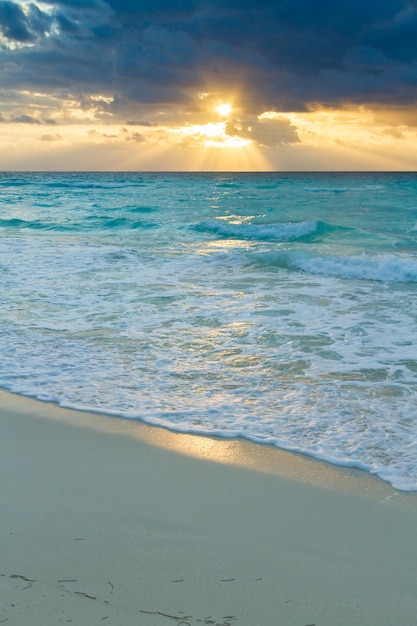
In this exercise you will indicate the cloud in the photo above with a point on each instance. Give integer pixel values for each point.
(264, 132)
(28, 119)
(276, 55)
(136, 137)
(25, 119)
(49, 138)
(140, 123)
(365, 59)
(14, 23)
(23, 23)
(73, 3)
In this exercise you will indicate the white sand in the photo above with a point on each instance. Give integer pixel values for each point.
(107, 522)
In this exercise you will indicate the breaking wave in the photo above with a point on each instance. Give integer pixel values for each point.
(288, 231)
(384, 268)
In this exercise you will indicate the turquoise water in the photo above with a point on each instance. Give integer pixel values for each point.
(277, 307)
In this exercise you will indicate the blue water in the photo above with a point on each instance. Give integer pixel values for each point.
(277, 307)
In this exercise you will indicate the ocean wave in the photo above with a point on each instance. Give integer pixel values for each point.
(92, 222)
(70, 182)
(344, 189)
(287, 231)
(264, 324)
(17, 223)
(384, 268)
(117, 223)
(77, 185)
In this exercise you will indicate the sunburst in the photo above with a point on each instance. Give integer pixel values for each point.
(224, 109)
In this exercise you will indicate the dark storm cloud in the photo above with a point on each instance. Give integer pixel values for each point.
(277, 55)
(13, 22)
(72, 3)
(22, 26)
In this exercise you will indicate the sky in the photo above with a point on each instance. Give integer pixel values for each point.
(218, 85)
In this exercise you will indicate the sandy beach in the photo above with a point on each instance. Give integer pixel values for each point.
(105, 521)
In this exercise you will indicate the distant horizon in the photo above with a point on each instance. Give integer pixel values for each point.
(257, 172)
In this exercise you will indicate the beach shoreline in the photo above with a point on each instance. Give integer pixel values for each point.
(107, 520)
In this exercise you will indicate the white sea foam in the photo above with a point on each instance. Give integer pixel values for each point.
(389, 267)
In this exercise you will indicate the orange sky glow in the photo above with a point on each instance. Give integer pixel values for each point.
(213, 140)
(117, 85)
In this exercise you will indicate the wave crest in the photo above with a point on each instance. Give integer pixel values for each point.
(384, 268)
(287, 231)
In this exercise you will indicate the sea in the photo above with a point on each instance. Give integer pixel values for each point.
(277, 307)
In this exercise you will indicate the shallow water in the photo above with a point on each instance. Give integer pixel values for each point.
(277, 307)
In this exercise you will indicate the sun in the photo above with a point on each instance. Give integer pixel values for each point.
(224, 109)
